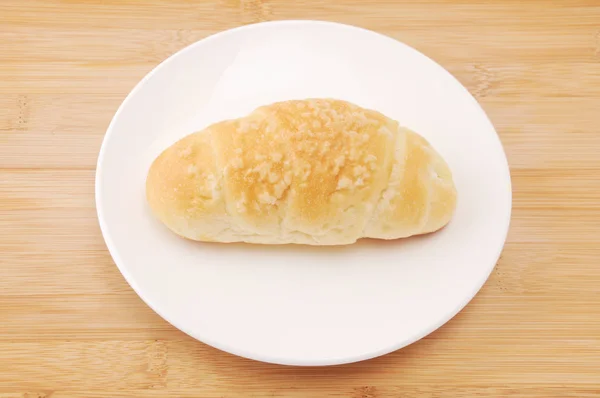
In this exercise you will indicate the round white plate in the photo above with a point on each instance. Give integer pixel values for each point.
(295, 304)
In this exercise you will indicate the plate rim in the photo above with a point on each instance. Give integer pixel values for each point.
(111, 246)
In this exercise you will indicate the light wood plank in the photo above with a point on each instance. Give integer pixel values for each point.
(373, 391)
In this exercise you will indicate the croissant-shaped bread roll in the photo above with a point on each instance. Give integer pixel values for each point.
(316, 172)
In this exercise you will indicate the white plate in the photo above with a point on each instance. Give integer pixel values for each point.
(303, 305)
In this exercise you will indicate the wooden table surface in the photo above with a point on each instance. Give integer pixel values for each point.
(70, 326)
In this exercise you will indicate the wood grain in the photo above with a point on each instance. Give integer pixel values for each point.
(71, 327)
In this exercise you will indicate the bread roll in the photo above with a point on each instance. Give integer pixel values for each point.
(315, 172)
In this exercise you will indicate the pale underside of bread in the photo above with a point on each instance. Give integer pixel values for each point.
(317, 172)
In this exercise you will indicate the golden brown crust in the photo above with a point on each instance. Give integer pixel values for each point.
(316, 171)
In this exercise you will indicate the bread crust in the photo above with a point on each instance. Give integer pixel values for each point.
(315, 171)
